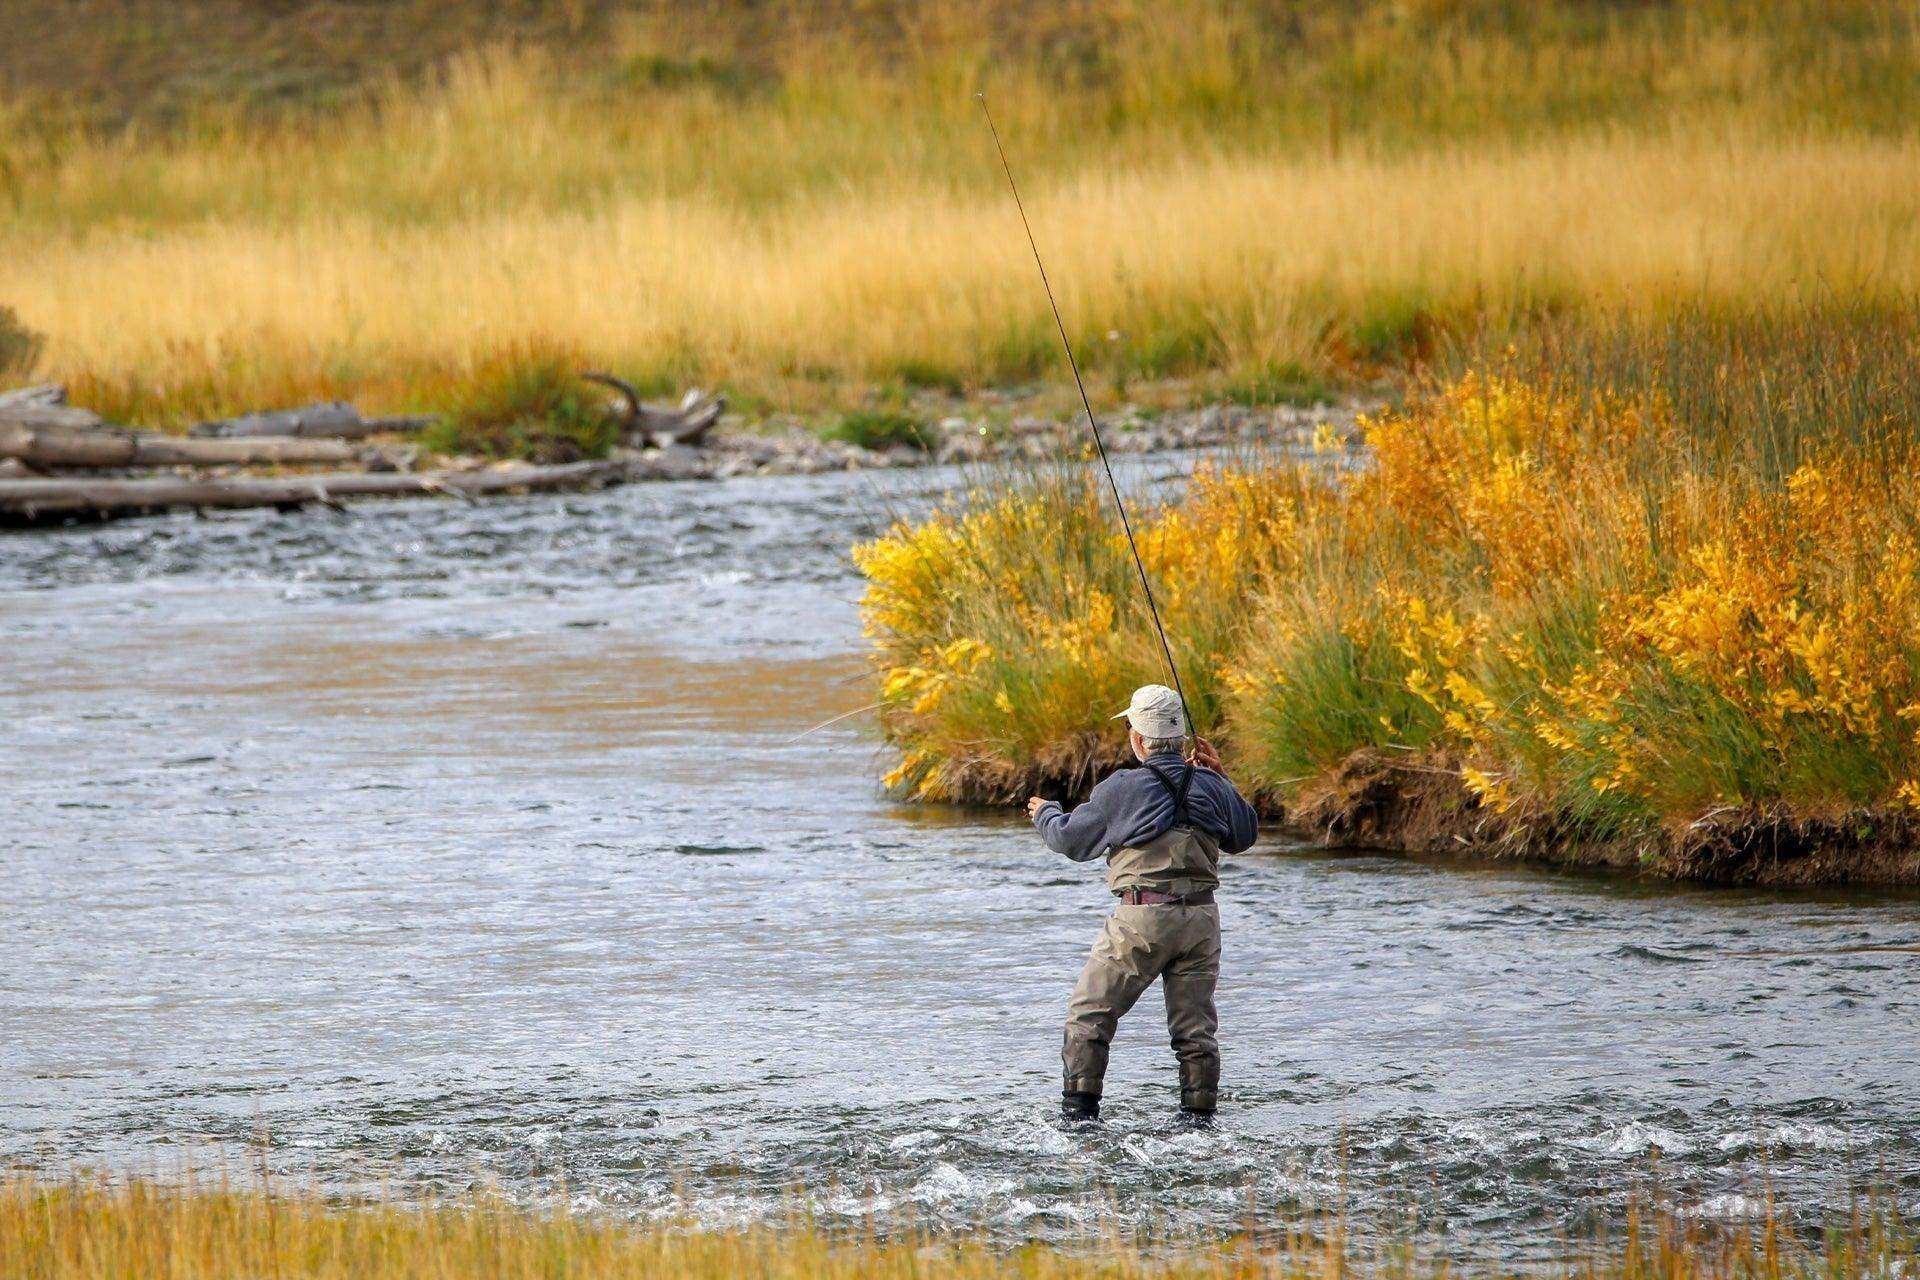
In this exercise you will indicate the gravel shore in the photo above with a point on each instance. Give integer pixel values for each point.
(737, 449)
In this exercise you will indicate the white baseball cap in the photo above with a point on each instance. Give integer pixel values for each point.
(1155, 712)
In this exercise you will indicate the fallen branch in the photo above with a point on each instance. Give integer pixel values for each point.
(336, 421)
(42, 415)
(43, 446)
(46, 406)
(29, 501)
(696, 415)
(47, 395)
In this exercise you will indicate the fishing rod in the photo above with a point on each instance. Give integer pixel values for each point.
(1073, 363)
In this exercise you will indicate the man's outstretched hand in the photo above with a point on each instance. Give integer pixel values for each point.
(1204, 754)
(1033, 807)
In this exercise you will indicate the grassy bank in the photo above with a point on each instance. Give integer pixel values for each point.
(142, 1231)
(798, 200)
(1648, 595)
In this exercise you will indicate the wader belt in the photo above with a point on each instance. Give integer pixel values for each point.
(1149, 898)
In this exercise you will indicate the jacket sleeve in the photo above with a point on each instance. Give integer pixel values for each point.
(1243, 824)
(1080, 835)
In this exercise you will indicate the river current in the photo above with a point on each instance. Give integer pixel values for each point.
(435, 846)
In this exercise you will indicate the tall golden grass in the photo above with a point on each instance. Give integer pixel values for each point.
(813, 209)
(1227, 263)
(139, 1230)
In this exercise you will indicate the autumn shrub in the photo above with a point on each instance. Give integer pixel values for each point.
(1608, 606)
(1010, 628)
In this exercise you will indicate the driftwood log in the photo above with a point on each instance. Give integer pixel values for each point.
(33, 500)
(41, 447)
(46, 407)
(47, 395)
(335, 421)
(687, 424)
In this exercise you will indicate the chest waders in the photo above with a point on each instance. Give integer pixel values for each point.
(1182, 860)
(1176, 942)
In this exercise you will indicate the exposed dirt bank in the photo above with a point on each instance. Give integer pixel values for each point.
(1422, 806)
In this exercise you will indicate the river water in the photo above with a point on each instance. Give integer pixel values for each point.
(438, 846)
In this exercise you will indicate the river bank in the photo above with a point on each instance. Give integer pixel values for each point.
(1425, 806)
(59, 463)
(797, 447)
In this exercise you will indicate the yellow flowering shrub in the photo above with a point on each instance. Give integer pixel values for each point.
(1006, 632)
(1561, 599)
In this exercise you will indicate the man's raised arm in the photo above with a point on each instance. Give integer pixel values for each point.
(1080, 835)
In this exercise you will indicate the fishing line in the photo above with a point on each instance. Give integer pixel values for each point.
(871, 706)
(1100, 444)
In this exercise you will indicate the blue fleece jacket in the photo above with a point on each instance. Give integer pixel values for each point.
(1132, 807)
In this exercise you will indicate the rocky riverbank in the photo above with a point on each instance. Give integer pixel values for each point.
(59, 463)
(791, 447)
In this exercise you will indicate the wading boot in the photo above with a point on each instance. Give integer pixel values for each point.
(1079, 1106)
(1196, 1108)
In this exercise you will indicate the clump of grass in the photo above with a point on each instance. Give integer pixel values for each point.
(1607, 606)
(701, 72)
(19, 346)
(879, 429)
(528, 405)
(1397, 330)
(929, 375)
(95, 1230)
(1286, 382)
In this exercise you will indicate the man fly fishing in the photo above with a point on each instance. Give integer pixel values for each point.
(1162, 828)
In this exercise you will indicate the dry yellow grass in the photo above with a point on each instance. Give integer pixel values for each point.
(137, 1230)
(1245, 259)
(143, 1231)
(801, 202)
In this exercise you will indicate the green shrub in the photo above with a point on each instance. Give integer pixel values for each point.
(1020, 351)
(661, 71)
(1272, 384)
(872, 429)
(1395, 331)
(19, 345)
(1179, 344)
(928, 375)
(526, 405)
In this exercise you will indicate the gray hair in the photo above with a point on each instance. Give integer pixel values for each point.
(1155, 746)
